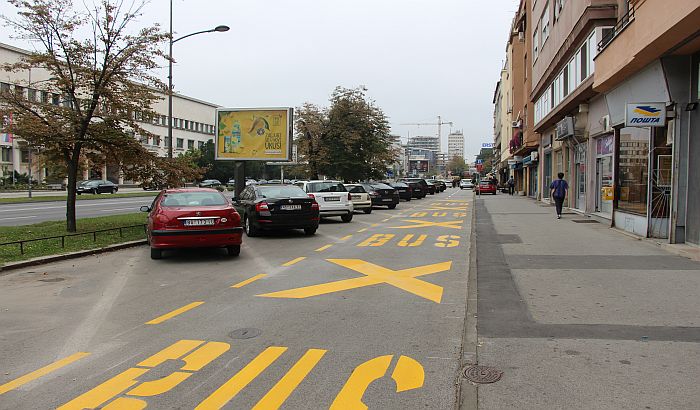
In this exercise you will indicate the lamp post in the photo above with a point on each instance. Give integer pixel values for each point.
(170, 73)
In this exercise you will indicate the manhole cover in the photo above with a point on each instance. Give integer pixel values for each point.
(482, 374)
(245, 333)
(585, 221)
(51, 280)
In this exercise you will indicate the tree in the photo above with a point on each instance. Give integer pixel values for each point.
(102, 67)
(349, 140)
(457, 165)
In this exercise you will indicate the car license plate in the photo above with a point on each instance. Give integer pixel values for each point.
(198, 222)
(356, 197)
(387, 199)
(332, 199)
(290, 207)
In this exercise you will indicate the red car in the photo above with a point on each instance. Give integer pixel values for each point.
(486, 187)
(192, 218)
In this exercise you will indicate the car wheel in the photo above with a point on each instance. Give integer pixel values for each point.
(392, 206)
(408, 199)
(233, 250)
(250, 229)
(94, 191)
(368, 210)
(347, 217)
(310, 231)
(77, 193)
(156, 253)
(114, 190)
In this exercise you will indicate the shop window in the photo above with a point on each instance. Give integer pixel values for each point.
(633, 170)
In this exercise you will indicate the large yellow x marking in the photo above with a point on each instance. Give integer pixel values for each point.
(424, 224)
(374, 274)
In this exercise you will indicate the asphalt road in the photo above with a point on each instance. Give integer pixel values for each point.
(371, 311)
(29, 213)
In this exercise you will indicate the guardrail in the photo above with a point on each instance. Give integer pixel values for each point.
(120, 229)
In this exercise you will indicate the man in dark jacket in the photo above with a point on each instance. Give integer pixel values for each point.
(558, 190)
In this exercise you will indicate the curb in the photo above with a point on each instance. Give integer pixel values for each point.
(73, 255)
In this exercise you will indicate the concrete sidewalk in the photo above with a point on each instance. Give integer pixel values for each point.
(578, 315)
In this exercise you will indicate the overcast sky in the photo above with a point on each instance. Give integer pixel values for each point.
(417, 58)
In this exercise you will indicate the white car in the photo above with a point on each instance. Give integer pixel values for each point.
(466, 184)
(332, 197)
(360, 198)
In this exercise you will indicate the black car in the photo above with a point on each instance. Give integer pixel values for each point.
(96, 186)
(434, 186)
(405, 191)
(382, 194)
(428, 188)
(417, 190)
(440, 184)
(278, 206)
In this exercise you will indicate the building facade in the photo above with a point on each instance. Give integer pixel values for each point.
(455, 145)
(425, 142)
(193, 125)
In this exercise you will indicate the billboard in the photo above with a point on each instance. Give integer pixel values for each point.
(257, 134)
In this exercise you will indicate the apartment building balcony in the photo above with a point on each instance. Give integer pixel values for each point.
(651, 29)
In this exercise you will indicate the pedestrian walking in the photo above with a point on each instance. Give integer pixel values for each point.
(558, 190)
(511, 185)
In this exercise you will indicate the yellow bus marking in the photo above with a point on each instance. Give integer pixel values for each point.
(424, 224)
(293, 261)
(248, 281)
(161, 319)
(345, 238)
(362, 230)
(378, 239)
(240, 380)
(11, 385)
(290, 381)
(323, 248)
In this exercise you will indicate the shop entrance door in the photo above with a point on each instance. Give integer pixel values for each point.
(604, 177)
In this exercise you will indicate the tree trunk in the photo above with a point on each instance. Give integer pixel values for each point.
(73, 166)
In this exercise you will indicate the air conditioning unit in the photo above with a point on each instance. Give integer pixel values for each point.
(605, 119)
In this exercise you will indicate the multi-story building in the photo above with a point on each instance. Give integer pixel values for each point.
(193, 124)
(651, 55)
(425, 142)
(455, 145)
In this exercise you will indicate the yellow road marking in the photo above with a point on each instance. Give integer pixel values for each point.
(323, 248)
(374, 225)
(384, 220)
(249, 280)
(280, 391)
(447, 208)
(424, 224)
(105, 391)
(240, 380)
(362, 230)
(293, 261)
(447, 241)
(379, 239)
(161, 319)
(374, 274)
(406, 240)
(345, 238)
(11, 385)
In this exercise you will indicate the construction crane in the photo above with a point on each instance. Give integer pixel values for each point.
(439, 124)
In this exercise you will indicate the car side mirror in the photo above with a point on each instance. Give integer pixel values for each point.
(145, 208)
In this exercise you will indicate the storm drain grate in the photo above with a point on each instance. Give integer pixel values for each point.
(584, 221)
(245, 333)
(482, 374)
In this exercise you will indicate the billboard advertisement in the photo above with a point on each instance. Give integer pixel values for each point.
(256, 134)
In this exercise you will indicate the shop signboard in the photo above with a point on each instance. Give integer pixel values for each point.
(645, 115)
(487, 145)
(256, 134)
(608, 193)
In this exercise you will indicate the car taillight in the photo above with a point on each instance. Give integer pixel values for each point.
(314, 205)
(262, 206)
(312, 196)
(349, 197)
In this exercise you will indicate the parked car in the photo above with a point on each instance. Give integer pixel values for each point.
(382, 194)
(440, 184)
(405, 191)
(417, 190)
(153, 185)
(466, 184)
(360, 198)
(428, 189)
(210, 183)
(432, 187)
(96, 186)
(486, 187)
(192, 218)
(276, 206)
(332, 197)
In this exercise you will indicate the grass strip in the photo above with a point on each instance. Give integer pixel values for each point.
(84, 197)
(11, 253)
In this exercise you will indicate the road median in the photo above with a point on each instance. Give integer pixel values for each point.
(85, 197)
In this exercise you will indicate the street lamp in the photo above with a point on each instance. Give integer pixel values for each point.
(219, 29)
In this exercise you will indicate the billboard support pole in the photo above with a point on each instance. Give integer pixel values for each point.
(239, 176)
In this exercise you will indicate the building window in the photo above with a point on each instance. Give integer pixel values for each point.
(190, 144)
(180, 143)
(24, 156)
(6, 154)
(200, 145)
(544, 23)
(4, 87)
(535, 44)
(633, 170)
(156, 140)
(19, 90)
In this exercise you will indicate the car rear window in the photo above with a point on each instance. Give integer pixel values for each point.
(326, 187)
(399, 185)
(281, 191)
(381, 186)
(193, 199)
(355, 189)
